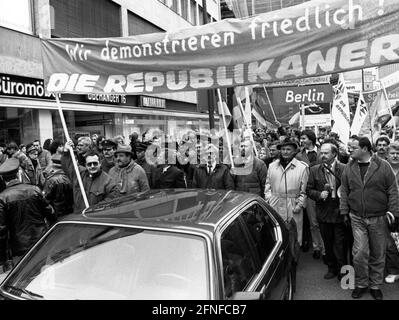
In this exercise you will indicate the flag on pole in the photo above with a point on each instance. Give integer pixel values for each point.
(379, 112)
(360, 115)
(226, 110)
(340, 112)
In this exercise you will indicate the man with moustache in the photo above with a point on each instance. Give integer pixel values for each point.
(98, 185)
(108, 150)
(382, 145)
(323, 185)
(129, 176)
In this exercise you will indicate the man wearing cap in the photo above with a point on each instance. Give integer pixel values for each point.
(26, 171)
(98, 185)
(286, 181)
(24, 214)
(108, 149)
(141, 148)
(129, 176)
(57, 189)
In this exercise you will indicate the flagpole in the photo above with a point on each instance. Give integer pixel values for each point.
(390, 110)
(225, 128)
(268, 99)
(247, 125)
(75, 165)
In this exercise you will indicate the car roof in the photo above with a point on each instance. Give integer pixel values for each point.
(167, 208)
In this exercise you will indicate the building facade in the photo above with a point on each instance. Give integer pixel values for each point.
(28, 113)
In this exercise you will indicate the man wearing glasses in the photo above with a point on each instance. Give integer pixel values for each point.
(98, 185)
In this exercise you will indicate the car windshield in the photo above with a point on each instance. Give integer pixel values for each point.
(92, 262)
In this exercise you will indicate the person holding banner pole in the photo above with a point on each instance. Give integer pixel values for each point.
(75, 165)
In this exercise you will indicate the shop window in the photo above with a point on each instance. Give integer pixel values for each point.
(86, 18)
(16, 15)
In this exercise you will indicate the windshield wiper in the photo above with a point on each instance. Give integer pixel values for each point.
(30, 294)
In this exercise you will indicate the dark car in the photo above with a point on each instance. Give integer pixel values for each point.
(168, 244)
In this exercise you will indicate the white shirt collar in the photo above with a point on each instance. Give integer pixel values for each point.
(314, 149)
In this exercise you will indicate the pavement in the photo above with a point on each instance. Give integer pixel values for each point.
(312, 286)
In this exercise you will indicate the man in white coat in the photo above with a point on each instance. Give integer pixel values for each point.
(285, 188)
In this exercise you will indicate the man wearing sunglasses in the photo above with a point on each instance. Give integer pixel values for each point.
(98, 185)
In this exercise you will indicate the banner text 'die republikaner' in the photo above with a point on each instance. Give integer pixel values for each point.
(311, 39)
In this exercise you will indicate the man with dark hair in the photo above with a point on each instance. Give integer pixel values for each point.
(129, 176)
(381, 145)
(56, 147)
(274, 153)
(24, 214)
(44, 156)
(141, 148)
(167, 174)
(98, 185)
(323, 185)
(311, 155)
(369, 191)
(3, 154)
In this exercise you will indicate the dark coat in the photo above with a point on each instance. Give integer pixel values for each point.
(149, 170)
(171, 178)
(23, 211)
(220, 178)
(58, 190)
(254, 181)
(326, 210)
(99, 187)
(373, 197)
(303, 156)
(105, 166)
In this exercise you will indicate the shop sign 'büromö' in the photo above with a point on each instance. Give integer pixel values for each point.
(307, 40)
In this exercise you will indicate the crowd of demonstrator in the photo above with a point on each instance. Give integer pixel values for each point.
(343, 199)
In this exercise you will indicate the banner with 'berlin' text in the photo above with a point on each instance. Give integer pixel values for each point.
(311, 39)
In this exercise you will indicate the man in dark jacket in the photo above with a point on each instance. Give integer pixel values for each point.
(44, 156)
(212, 175)
(250, 175)
(167, 175)
(369, 191)
(323, 185)
(311, 155)
(23, 214)
(57, 188)
(141, 148)
(97, 184)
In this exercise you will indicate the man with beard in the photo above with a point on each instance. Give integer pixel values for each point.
(323, 185)
(44, 156)
(98, 185)
(250, 175)
(368, 191)
(129, 176)
(286, 181)
(392, 254)
(382, 145)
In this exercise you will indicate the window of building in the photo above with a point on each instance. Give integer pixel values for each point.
(138, 25)
(16, 15)
(86, 18)
(184, 9)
